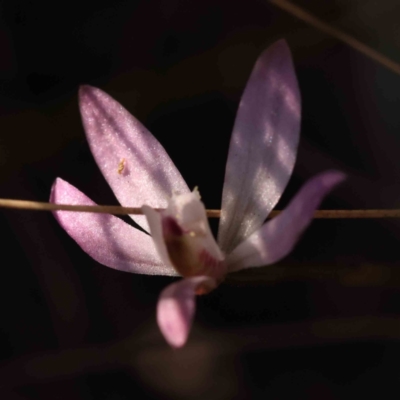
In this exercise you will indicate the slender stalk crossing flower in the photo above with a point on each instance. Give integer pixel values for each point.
(260, 162)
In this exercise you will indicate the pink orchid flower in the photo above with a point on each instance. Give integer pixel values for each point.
(261, 157)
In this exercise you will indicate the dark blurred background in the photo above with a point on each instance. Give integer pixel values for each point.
(322, 323)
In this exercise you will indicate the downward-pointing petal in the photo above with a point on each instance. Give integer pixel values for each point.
(276, 238)
(176, 307)
(263, 146)
(106, 238)
(131, 159)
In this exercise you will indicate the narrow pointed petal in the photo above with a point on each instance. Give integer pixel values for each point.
(134, 163)
(263, 146)
(176, 308)
(106, 238)
(276, 238)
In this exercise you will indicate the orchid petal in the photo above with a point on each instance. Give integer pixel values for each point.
(276, 238)
(263, 146)
(176, 308)
(106, 238)
(134, 163)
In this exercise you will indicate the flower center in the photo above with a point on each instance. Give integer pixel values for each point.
(188, 252)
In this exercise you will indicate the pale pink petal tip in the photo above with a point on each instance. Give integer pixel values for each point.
(106, 238)
(263, 146)
(176, 308)
(276, 238)
(134, 163)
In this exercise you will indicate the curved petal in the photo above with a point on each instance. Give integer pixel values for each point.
(134, 163)
(106, 238)
(176, 308)
(276, 238)
(263, 146)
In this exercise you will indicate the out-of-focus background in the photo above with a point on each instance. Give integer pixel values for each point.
(322, 323)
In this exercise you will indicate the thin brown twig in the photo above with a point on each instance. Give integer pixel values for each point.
(336, 33)
(118, 210)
